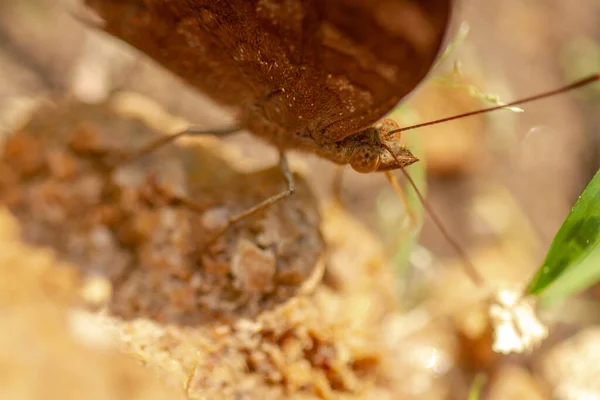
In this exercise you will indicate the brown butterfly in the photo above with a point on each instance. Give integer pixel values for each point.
(308, 75)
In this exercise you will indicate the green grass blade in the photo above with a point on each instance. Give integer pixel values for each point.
(477, 387)
(573, 261)
(577, 278)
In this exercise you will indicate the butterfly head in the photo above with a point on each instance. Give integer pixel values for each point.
(373, 149)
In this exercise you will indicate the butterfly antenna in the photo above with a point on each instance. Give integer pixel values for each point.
(575, 85)
(470, 269)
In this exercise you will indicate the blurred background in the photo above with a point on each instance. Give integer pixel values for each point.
(502, 183)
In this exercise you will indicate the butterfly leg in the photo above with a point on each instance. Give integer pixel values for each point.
(291, 184)
(283, 163)
(163, 141)
(337, 184)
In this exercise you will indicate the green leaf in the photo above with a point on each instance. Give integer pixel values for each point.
(573, 261)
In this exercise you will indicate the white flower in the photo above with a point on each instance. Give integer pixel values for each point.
(516, 326)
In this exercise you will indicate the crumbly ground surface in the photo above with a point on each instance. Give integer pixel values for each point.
(65, 176)
(247, 316)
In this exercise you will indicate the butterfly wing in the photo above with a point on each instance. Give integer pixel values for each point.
(326, 67)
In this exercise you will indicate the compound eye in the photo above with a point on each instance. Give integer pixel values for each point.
(364, 160)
